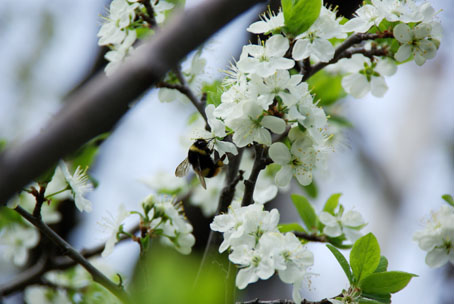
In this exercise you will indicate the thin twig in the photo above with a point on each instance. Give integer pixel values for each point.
(150, 11)
(310, 237)
(75, 255)
(341, 51)
(198, 104)
(260, 162)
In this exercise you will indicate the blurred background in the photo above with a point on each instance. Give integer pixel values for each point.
(392, 166)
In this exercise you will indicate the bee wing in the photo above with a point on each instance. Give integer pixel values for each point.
(201, 179)
(182, 168)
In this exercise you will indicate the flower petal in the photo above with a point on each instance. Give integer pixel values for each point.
(279, 153)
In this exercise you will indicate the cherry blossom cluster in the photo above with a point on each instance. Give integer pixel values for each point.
(161, 217)
(342, 223)
(437, 237)
(120, 29)
(259, 249)
(20, 236)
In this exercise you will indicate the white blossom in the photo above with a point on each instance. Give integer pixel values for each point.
(366, 16)
(208, 199)
(365, 76)
(269, 22)
(291, 258)
(254, 126)
(437, 237)
(45, 295)
(347, 223)
(266, 60)
(280, 84)
(121, 13)
(167, 215)
(392, 10)
(160, 10)
(112, 226)
(244, 225)
(314, 42)
(79, 186)
(118, 53)
(165, 182)
(307, 113)
(254, 262)
(298, 161)
(414, 43)
(265, 189)
(16, 240)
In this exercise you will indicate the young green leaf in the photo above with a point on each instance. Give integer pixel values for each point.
(331, 203)
(311, 189)
(213, 92)
(383, 283)
(8, 216)
(370, 301)
(448, 198)
(306, 211)
(342, 261)
(382, 265)
(326, 87)
(365, 256)
(382, 299)
(291, 227)
(299, 15)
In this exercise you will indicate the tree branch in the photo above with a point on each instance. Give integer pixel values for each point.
(185, 90)
(341, 51)
(96, 107)
(310, 237)
(227, 193)
(260, 162)
(75, 255)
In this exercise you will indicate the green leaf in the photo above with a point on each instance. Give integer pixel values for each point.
(311, 189)
(326, 87)
(143, 32)
(372, 301)
(331, 203)
(365, 256)
(213, 91)
(8, 216)
(382, 265)
(383, 283)
(306, 211)
(2, 144)
(85, 156)
(385, 299)
(176, 2)
(342, 261)
(289, 227)
(47, 175)
(448, 198)
(193, 118)
(299, 15)
(163, 271)
(340, 120)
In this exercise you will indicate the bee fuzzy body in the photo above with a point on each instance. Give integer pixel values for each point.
(199, 156)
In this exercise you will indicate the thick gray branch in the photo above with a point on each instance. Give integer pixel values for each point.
(98, 105)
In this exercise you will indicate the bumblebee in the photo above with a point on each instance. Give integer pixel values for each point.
(199, 156)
